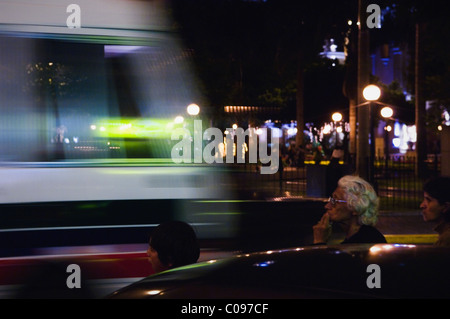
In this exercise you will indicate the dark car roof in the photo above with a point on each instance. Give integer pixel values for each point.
(404, 271)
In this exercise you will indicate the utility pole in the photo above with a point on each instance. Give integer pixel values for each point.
(350, 86)
(362, 145)
(421, 146)
(300, 99)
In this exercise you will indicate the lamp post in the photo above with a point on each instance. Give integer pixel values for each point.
(386, 112)
(193, 110)
(371, 93)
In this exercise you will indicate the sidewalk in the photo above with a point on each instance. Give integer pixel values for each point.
(406, 228)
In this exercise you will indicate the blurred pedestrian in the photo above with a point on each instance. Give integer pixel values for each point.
(337, 155)
(172, 244)
(354, 207)
(436, 207)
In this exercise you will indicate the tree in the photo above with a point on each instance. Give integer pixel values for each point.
(250, 52)
(421, 24)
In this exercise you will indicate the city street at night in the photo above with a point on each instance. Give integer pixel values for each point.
(228, 156)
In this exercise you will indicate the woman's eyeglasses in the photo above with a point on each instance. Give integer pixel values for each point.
(333, 201)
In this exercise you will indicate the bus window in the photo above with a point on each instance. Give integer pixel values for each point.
(75, 100)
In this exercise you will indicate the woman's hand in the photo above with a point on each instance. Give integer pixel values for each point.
(322, 230)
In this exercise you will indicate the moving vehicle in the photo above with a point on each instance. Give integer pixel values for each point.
(89, 97)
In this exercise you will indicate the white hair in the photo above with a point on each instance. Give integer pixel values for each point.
(361, 198)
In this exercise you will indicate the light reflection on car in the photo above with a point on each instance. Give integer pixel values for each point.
(406, 271)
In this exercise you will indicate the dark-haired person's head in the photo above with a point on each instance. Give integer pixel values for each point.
(173, 244)
(436, 203)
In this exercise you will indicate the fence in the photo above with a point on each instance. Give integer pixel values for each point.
(396, 181)
(286, 182)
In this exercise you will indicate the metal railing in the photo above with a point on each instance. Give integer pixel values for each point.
(396, 181)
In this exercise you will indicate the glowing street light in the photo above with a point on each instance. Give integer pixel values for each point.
(179, 119)
(371, 92)
(386, 112)
(336, 117)
(193, 109)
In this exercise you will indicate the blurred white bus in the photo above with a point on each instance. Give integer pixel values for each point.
(86, 115)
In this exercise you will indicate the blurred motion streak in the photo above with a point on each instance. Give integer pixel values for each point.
(86, 116)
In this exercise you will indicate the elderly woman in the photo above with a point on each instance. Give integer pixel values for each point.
(354, 206)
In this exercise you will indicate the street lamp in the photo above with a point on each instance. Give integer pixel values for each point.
(371, 93)
(336, 117)
(193, 109)
(178, 119)
(386, 112)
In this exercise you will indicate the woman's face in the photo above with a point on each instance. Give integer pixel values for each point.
(338, 212)
(154, 260)
(431, 209)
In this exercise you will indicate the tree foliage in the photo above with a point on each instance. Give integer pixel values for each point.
(250, 52)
